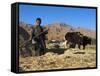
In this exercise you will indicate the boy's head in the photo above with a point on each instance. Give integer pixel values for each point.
(38, 21)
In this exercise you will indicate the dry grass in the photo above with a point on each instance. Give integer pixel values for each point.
(71, 58)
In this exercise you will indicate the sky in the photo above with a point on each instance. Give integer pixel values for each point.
(77, 17)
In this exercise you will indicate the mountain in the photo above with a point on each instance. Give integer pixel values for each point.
(87, 32)
(57, 31)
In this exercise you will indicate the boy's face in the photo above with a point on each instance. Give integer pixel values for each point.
(38, 22)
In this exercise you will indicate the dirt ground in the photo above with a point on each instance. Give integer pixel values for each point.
(60, 58)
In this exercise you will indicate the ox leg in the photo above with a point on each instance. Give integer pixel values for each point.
(84, 47)
(74, 45)
(79, 46)
(68, 44)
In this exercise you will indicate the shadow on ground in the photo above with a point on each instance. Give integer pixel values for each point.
(56, 50)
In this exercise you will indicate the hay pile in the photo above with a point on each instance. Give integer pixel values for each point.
(49, 61)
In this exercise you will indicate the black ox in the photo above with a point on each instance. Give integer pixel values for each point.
(74, 38)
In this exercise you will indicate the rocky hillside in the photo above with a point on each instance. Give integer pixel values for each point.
(57, 31)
